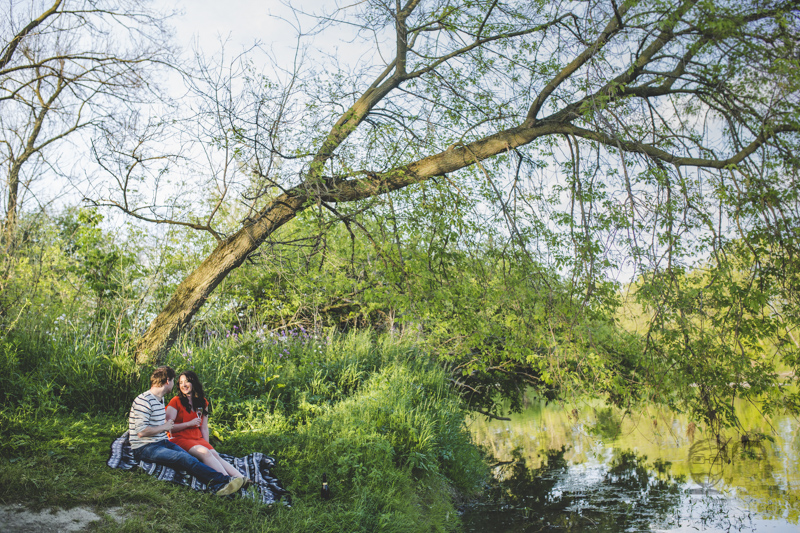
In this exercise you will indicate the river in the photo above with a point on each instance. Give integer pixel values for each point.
(586, 467)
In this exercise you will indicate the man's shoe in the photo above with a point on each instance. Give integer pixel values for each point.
(232, 486)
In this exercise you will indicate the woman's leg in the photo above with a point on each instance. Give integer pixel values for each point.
(208, 458)
(229, 468)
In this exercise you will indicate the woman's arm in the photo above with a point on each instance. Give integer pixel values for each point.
(204, 428)
(172, 414)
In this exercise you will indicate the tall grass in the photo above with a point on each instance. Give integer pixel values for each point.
(374, 413)
(72, 372)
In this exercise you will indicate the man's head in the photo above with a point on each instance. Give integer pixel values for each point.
(161, 376)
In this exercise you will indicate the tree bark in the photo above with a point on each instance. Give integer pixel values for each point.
(9, 229)
(193, 291)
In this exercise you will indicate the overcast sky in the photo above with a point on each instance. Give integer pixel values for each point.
(242, 22)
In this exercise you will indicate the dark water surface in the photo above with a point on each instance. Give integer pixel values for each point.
(588, 468)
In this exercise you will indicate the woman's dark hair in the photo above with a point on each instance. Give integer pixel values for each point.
(198, 396)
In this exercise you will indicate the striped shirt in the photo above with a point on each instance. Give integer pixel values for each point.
(147, 410)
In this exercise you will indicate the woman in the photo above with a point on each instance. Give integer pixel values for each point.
(189, 412)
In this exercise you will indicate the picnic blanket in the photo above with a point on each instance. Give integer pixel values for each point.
(255, 466)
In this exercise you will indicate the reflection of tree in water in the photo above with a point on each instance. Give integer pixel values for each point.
(756, 471)
(625, 497)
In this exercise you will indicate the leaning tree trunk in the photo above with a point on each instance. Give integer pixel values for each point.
(193, 291)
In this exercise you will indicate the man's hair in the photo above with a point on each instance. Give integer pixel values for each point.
(161, 375)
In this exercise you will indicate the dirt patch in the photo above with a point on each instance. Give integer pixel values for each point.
(16, 518)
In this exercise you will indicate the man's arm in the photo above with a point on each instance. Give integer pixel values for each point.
(149, 431)
(140, 417)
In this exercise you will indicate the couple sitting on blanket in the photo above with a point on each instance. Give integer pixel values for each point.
(186, 418)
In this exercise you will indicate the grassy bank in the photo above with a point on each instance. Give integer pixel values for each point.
(374, 413)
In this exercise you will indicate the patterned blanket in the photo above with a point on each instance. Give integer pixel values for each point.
(255, 466)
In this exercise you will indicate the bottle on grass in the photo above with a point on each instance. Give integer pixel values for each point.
(326, 492)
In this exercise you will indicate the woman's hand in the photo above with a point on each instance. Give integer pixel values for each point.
(193, 423)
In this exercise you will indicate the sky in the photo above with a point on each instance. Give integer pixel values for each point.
(241, 22)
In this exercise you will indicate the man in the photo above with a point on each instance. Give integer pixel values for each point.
(147, 427)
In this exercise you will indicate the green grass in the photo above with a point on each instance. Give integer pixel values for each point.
(374, 413)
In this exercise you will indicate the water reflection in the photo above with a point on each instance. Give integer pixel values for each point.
(606, 472)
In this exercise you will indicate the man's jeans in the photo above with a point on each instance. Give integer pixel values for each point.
(169, 454)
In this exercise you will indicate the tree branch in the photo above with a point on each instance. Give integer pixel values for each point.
(11, 47)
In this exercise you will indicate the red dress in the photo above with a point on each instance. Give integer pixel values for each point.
(189, 437)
